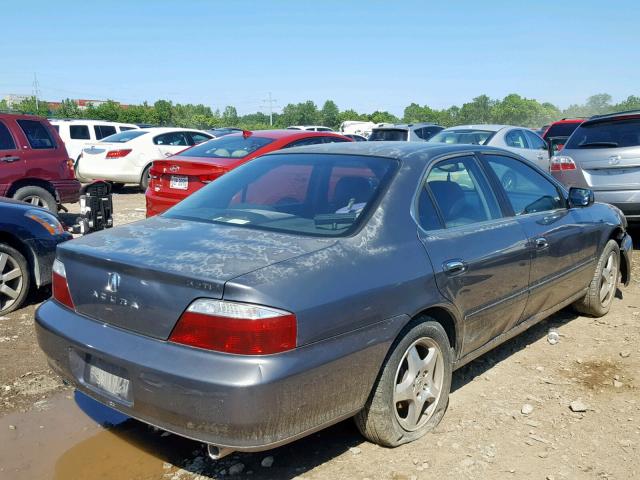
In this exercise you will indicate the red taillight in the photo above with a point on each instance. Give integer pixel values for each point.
(118, 153)
(236, 328)
(562, 163)
(61, 291)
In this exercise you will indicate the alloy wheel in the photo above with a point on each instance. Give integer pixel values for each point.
(608, 279)
(418, 384)
(11, 281)
(35, 200)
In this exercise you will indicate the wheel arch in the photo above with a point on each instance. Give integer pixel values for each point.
(33, 182)
(617, 234)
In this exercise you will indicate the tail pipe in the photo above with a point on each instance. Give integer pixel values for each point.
(216, 452)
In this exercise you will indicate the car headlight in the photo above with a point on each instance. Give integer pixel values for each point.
(50, 223)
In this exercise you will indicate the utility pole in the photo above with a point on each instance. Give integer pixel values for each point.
(36, 89)
(271, 102)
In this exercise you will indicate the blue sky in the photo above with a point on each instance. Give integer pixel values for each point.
(364, 55)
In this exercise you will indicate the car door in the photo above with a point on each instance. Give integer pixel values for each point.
(562, 241)
(480, 257)
(12, 165)
(539, 146)
(40, 150)
(171, 143)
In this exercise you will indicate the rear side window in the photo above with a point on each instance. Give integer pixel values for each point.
(515, 139)
(37, 135)
(606, 134)
(527, 190)
(173, 139)
(103, 131)
(561, 130)
(535, 142)
(6, 140)
(426, 212)
(229, 146)
(124, 129)
(198, 138)
(388, 135)
(461, 192)
(79, 132)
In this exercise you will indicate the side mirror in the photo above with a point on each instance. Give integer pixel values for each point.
(580, 197)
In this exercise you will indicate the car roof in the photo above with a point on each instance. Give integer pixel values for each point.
(410, 151)
(157, 130)
(613, 116)
(278, 134)
(25, 116)
(89, 122)
(398, 126)
(568, 120)
(490, 127)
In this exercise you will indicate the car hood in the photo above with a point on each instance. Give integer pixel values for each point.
(164, 264)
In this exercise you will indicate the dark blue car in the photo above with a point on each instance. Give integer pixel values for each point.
(319, 283)
(28, 239)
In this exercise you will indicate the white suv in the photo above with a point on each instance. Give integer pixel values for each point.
(76, 134)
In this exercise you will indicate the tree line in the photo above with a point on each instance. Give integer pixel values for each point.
(511, 110)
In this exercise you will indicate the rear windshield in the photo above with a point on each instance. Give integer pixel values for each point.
(462, 136)
(561, 130)
(607, 134)
(308, 194)
(388, 135)
(228, 146)
(123, 137)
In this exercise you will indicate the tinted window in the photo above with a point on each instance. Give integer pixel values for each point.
(198, 138)
(229, 146)
(79, 132)
(515, 139)
(527, 190)
(103, 131)
(124, 129)
(426, 212)
(420, 132)
(388, 135)
(561, 130)
(172, 139)
(6, 140)
(606, 134)
(305, 141)
(124, 137)
(461, 192)
(320, 195)
(535, 142)
(37, 135)
(462, 136)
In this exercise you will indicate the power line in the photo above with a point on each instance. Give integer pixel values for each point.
(271, 102)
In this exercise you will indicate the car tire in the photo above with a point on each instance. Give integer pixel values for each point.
(13, 289)
(36, 196)
(604, 284)
(411, 393)
(144, 180)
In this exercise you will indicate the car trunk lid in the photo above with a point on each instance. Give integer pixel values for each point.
(608, 168)
(142, 276)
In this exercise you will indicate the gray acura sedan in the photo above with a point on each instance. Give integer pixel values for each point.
(320, 283)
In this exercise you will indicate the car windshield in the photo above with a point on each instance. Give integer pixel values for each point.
(606, 134)
(123, 137)
(308, 194)
(388, 135)
(227, 146)
(462, 136)
(561, 130)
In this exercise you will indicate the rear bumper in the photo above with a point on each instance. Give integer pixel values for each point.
(243, 402)
(626, 200)
(68, 190)
(156, 204)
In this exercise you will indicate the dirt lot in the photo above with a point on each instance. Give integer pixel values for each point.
(47, 431)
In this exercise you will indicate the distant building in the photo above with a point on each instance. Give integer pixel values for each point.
(13, 99)
(82, 103)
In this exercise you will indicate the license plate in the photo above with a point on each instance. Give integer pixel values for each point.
(112, 384)
(180, 183)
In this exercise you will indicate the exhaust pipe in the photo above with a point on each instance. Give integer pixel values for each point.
(216, 452)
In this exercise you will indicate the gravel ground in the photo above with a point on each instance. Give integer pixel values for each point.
(511, 413)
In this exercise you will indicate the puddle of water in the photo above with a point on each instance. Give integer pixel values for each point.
(65, 438)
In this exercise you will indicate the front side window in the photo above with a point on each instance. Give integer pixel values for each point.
(461, 192)
(308, 194)
(37, 135)
(6, 140)
(79, 132)
(103, 131)
(515, 139)
(229, 146)
(172, 139)
(527, 190)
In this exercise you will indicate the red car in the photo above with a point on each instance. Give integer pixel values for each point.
(177, 177)
(34, 165)
(557, 133)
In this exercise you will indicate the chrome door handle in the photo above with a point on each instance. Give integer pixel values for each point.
(454, 267)
(9, 159)
(541, 243)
